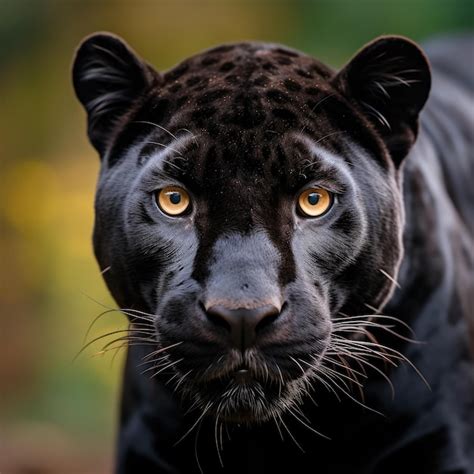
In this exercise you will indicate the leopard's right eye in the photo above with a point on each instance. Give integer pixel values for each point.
(314, 202)
(173, 200)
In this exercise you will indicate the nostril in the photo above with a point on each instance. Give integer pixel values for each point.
(216, 318)
(267, 320)
(202, 307)
(270, 316)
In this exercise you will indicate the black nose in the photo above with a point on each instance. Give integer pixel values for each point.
(242, 324)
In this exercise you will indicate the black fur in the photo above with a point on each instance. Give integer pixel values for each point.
(245, 128)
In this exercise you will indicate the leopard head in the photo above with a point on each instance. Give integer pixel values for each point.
(248, 198)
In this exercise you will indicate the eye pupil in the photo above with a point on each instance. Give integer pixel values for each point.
(175, 198)
(313, 198)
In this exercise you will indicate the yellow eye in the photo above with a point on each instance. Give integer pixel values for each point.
(314, 202)
(173, 200)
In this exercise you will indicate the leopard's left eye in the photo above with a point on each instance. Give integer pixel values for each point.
(314, 202)
(173, 200)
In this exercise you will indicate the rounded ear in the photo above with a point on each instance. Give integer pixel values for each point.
(389, 80)
(108, 78)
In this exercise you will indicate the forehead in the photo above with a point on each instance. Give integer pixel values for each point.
(246, 87)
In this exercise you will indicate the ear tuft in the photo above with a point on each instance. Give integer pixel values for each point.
(108, 78)
(389, 80)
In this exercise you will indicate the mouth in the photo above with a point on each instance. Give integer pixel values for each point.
(243, 376)
(242, 398)
(244, 395)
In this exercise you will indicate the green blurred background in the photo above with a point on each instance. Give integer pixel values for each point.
(58, 415)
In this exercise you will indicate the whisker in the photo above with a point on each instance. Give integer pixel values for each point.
(167, 367)
(171, 378)
(355, 399)
(371, 347)
(339, 327)
(291, 435)
(390, 277)
(349, 370)
(313, 109)
(364, 361)
(196, 448)
(105, 270)
(158, 363)
(216, 439)
(291, 412)
(297, 363)
(129, 339)
(333, 376)
(206, 409)
(117, 350)
(344, 366)
(158, 351)
(124, 345)
(181, 380)
(166, 146)
(98, 339)
(117, 309)
(375, 316)
(338, 374)
(278, 426)
(157, 126)
(328, 387)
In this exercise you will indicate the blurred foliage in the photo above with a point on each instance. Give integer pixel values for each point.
(50, 286)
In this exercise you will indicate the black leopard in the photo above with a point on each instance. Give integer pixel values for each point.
(293, 247)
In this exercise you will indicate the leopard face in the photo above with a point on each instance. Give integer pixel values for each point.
(248, 198)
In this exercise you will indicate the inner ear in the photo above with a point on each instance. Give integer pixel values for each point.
(109, 79)
(389, 81)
